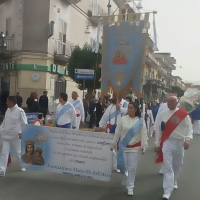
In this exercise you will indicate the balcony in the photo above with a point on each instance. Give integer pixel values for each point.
(9, 43)
(175, 84)
(72, 1)
(10, 47)
(97, 11)
(63, 51)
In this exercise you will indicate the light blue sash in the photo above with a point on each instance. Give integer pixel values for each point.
(114, 114)
(76, 102)
(63, 110)
(122, 144)
(125, 105)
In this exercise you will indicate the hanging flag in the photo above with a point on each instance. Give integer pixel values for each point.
(96, 46)
(155, 47)
(124, 47)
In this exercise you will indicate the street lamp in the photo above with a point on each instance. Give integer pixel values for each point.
(3, 47)
(109, 7)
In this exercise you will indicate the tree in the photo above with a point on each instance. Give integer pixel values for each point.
(84, 58)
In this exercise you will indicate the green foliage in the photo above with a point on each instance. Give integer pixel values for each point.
(84, 58)
(179, 91)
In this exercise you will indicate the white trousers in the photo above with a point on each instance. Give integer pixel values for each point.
(114, 158)
(130, 161)
(196, 127)
(78, 121)
(173, 153)
(15, 146)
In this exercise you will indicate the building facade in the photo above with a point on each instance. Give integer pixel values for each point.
(40, 37)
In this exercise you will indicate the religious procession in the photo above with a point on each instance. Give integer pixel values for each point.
(111, 120)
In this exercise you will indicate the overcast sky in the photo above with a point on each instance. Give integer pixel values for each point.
(178, 30)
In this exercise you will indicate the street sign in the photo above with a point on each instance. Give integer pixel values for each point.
(84, 74)
(84, 77)
(84, 71)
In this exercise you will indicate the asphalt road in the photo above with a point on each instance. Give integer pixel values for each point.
(35, 185)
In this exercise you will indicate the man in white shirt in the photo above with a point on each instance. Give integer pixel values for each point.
(162, 107)
(65, 116)
(78, 105)
(173, 134)
(10, 130)
(112, 115)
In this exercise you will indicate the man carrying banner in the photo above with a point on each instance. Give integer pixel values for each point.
(10, 132)
(78, 105)
(133, 137)
(173, 134)
(110, 118)
(65, 116)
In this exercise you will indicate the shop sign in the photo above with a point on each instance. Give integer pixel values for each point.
(55, 68)
(8, 66)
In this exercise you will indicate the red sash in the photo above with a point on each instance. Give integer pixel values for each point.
(9, 160)
(170, 126)
(138, 144)
(109, 126)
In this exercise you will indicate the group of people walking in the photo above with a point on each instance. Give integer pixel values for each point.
(172, 128)
(173, 131)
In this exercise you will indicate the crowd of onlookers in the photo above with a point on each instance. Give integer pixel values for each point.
(34, 104)
(97, 107)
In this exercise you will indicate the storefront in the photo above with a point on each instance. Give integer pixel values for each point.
(27, 78)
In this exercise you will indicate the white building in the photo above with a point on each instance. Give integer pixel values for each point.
(40, 36)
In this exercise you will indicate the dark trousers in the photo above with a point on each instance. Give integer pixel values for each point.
(86, 114)
(99, 116)
(44, 112)
(64, 126)
(92, 120)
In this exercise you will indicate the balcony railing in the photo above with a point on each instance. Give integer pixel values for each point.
(10, 44)
(64, 49)
(97, 10)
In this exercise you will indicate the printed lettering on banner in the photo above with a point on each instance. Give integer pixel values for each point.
(67, 151)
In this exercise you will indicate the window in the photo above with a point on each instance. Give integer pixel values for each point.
(60, 86)
(62, 36)
(8, 26)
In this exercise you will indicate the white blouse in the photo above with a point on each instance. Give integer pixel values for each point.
(123, 126)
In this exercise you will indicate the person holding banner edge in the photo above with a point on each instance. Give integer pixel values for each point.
(173, 135)
(109, 119)
(65, 116)
(131, 133)
(10, 132)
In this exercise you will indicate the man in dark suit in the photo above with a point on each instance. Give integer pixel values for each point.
(92, 112)
(99, 111)
(19, 99)
(44, 103)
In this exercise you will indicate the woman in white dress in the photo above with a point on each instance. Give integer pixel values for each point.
(132, 132)
(149, 120)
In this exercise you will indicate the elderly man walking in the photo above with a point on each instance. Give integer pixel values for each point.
(15, 117)
(78, 105)
(173, 134)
